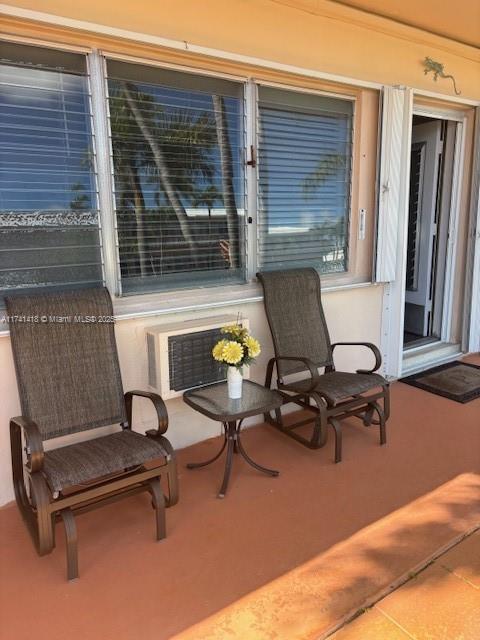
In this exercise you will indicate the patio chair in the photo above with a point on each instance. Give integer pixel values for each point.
(302, 345)
(69, 381)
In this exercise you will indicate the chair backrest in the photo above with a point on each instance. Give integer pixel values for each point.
(294, 311)
(66, 360)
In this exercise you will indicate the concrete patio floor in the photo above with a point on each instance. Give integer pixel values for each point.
(288, 557)
(441, 602)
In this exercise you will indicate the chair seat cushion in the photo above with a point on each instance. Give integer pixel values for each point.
(337, 386)
(85, 461)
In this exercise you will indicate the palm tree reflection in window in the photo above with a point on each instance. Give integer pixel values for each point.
(166, 169)
(332, 229)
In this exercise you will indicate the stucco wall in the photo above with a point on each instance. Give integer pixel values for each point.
(351, 315)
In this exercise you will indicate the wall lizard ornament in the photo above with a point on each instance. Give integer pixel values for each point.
(437, 68)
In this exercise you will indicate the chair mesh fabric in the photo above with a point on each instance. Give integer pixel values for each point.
(67, 369)
(337, 386)
(295, 314)
(86, 461)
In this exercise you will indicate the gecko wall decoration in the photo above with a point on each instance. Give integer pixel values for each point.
(437, 68)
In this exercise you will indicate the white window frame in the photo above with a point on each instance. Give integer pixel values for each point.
(220, 295)
(102, 121)
(109, 240)
(86, 52)
(338, 277)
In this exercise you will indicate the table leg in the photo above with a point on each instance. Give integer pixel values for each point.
(270, 472)
(237, 430)
(231, 439)
(196, 465)
(232, 442)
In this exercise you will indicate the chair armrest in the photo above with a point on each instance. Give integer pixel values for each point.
(369, 345)
(158, 403)
(33, 441)
(310, 366)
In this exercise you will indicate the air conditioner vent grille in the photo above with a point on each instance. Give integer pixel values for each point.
(190, 360)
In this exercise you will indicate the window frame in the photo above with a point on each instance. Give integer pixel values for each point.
(135, 305)
(338, 277)
(84, 52)
(241, 278)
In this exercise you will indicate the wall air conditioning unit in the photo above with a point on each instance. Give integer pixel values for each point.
(180, 354)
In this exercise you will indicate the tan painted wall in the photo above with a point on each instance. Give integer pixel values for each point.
(351, 315)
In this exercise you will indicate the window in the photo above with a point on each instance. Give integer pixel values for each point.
(178, 157)
(173, 176)
(49, 229)
(304, 154)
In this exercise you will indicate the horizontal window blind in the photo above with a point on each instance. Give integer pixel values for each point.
(178, 157)
(49, 222)
(417, 166)
(304, 171)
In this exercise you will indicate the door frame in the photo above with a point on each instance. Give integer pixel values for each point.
(471, 327)
(455, 201)
(393, 312)
(427, 136)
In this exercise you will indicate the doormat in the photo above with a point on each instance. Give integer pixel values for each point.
(458, 381)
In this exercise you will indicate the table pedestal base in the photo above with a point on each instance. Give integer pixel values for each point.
(233, 443)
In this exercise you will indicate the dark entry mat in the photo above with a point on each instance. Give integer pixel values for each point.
(457, 381)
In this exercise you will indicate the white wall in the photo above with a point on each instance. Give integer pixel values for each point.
(353, 314)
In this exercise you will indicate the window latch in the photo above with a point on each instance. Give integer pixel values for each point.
(253, 157)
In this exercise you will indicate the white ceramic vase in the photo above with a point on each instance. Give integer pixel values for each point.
(234, 381)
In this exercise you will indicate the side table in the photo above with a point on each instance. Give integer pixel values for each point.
(213, 401)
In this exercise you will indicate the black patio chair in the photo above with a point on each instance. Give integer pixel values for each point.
(69, 381)
(302, 345)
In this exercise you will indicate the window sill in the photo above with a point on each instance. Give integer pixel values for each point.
(205, 298)
(156, 304)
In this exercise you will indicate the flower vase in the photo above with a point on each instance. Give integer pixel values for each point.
(234, 381)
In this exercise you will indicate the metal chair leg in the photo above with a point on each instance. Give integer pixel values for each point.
(381, 423)
(71, 543)
(172, 474)
(37, 517)
(385, 414)
(44, 536)
(383, 432)
(386, 401)
(278, 417)
(320, 425)
(159, 504)
(338, 439)
(172, 478)
(368, 416)
(382, 426)
(268, 385)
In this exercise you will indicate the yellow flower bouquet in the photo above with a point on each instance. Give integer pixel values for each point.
(237, 348)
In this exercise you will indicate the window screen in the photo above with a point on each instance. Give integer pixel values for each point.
(304, 153)
(49, 229)
(178, 155)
